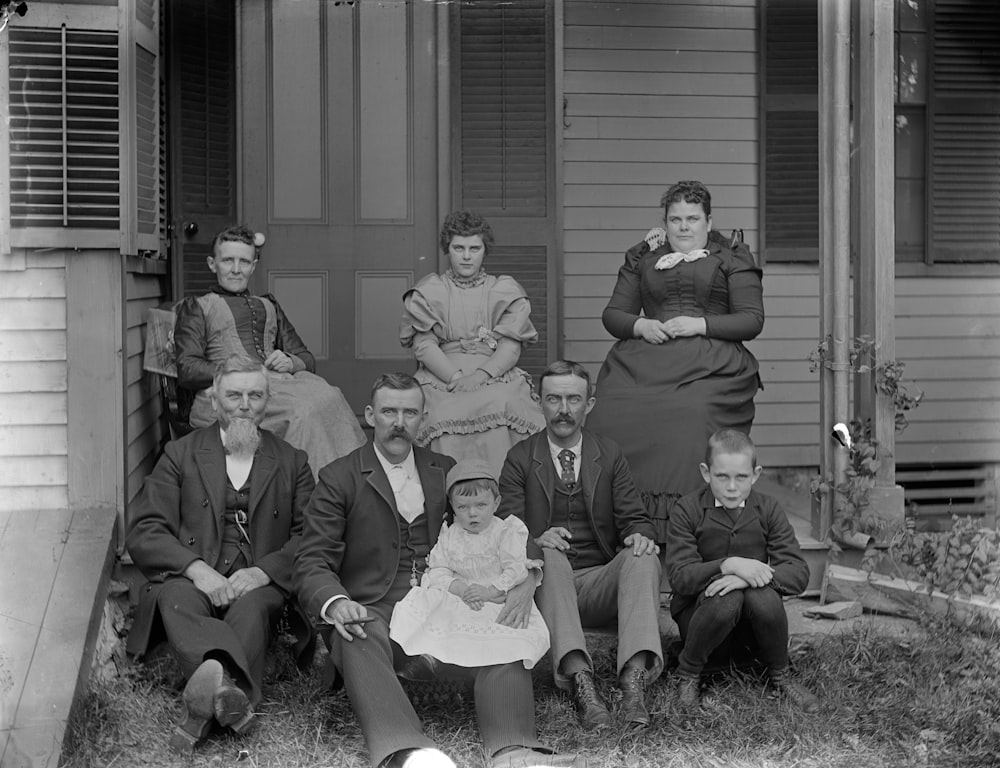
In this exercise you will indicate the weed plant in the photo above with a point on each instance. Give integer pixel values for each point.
(925, 697)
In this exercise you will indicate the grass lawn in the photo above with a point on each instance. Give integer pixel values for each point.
(929, 697)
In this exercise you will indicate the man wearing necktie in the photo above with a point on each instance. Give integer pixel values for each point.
(574, 491)
(369, 527)
(215, 531)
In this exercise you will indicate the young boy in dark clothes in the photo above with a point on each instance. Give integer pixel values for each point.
(731, 556)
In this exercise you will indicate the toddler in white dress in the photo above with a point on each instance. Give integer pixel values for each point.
(452, 614)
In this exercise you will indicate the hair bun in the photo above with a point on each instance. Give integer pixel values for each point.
(259, 239)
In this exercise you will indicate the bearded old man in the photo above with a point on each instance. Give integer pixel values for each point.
(215, 531)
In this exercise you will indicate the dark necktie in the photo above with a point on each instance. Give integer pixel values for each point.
(566, 458)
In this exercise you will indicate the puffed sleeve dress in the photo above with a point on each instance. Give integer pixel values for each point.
(466, 319)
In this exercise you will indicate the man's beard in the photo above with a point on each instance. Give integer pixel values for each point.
(242, 438)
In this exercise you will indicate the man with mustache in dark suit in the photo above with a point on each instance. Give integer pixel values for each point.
(574, 491)
(368, 529)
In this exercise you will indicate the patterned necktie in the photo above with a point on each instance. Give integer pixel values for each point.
(566, 458)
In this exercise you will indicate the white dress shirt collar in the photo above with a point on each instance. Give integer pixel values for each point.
(720, 504)
(405, 482)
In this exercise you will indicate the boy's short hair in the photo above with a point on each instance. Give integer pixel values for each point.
(474, 486)
(730, 441)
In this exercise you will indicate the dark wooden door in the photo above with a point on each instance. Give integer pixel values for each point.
(339, 168)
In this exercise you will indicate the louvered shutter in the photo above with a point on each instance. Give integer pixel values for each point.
(965, 132)
(203, 128)
(502, 153)
(503, 150)
(140, 116)
(790, 161)
(64, 131)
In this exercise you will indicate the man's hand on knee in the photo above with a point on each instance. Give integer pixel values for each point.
(208, 580)
(517, 608)
(248, 579)
(343, 614)
(555, 538)
(641, 545)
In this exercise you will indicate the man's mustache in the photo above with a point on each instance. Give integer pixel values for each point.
(399, 432)
(564, 420)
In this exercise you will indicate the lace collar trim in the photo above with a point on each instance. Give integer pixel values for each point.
(467, 282)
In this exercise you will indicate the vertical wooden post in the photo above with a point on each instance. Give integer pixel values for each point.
(95, 380)
(874, 287)
(835, 224)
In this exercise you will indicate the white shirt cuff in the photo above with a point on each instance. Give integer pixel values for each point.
(327, 604)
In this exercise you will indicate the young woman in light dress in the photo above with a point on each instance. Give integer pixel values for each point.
(467, 329)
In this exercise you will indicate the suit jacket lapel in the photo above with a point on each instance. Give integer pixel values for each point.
(376, 477)
(210, 458)
(545, 472)
(265, 465)
(590, 471)
(432, 479)
(721, 516)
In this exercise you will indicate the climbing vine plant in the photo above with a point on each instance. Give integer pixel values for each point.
(852, 514)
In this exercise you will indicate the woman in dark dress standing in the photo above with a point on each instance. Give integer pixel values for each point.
(685, 301)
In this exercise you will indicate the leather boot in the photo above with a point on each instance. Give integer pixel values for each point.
(232, 707)
(796, 693)
(199, 711)
(688, 697)
(633, 685)
(589, 707)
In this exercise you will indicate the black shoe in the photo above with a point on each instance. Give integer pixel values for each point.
(796, 693)
(199, 712)
(419, 669)
(688, 697)
(589, 707)
(232, 707)
(633, 685)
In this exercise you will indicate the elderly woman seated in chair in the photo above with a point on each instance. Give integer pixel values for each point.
(303, 408)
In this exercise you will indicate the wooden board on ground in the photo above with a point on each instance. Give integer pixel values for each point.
(900, 597)
(841, 610)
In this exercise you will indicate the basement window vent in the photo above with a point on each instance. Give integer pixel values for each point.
(64, 130)
(935, 492)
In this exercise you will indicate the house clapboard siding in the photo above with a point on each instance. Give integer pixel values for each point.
(657, 92)
(661, 91)
(33, 404)
(143, 427)
(948, 334)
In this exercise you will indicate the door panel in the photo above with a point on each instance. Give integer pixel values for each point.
(339, 168)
